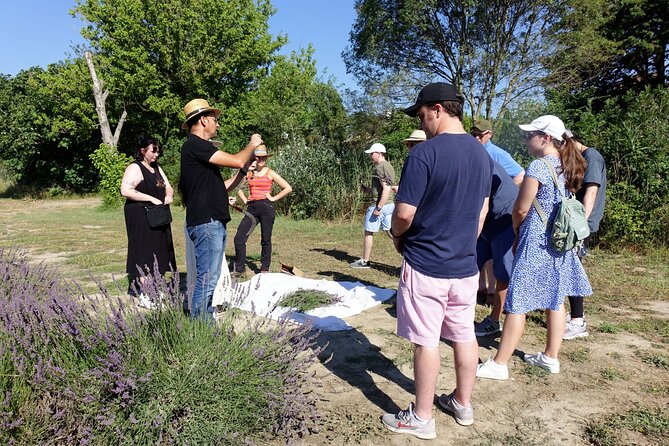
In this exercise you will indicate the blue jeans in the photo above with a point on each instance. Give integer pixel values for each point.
(209, 241)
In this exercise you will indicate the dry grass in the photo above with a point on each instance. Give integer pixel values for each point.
(610, 391)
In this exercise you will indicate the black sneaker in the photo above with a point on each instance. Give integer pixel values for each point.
(487, 327)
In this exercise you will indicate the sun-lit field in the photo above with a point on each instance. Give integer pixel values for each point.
(613, 388)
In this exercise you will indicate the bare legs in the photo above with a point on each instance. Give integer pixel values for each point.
(514, 324)
(426, 371)
(555, 321)
(367, 246)
(498, 300)
(426, 365)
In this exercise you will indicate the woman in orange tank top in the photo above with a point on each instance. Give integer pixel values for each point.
(259, 204)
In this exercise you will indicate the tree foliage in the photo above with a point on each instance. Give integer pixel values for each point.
(610, 47)
(157, 55)
(491, 50)
(49, 122)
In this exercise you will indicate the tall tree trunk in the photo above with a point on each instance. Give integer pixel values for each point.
(100, 95)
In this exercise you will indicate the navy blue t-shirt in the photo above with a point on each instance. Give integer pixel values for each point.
(447, 178)
(503, 195)
(503, 192)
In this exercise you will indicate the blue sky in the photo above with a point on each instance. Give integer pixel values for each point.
(39, 32)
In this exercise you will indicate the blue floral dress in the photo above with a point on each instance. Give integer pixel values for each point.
(541, 277)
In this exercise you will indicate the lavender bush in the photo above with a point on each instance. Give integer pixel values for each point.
(81, 369)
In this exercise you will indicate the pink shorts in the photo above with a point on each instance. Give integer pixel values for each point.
(429, 308)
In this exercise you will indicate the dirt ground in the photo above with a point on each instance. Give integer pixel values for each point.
(360, 381)
(367, 371)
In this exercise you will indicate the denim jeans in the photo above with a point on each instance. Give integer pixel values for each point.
(209, 242)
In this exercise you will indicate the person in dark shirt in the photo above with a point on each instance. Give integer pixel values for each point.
(495, 243)
(440, 209)
(592, 194)
(205, 195)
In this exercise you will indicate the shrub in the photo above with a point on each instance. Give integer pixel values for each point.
(326, 180)
(111, 164)
(79, 369)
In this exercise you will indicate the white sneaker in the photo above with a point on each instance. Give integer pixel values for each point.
(491, 370)
(543, 361)
(145, 302)
(573, 331)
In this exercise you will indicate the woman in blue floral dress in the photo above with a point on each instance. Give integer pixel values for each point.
(541, 277)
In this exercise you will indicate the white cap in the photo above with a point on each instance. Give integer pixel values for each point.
(376, 147)
(548, 124)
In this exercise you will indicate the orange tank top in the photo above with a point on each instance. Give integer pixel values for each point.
(259, 186)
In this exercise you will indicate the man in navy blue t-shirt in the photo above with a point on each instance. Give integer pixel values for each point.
(439, 212)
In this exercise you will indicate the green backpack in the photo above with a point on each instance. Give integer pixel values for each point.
(570, 226)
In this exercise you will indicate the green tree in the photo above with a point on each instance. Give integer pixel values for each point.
(291, 104)
(157, 55)
(610, 47)
(49, 121)
(491, 50)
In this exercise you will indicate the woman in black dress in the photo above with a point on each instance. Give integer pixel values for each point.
(144, 183)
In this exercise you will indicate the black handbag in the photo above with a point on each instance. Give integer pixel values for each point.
(158, 215)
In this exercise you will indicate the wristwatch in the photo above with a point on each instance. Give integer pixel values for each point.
(378, 208)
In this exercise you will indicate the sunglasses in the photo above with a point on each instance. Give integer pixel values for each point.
(530, 135)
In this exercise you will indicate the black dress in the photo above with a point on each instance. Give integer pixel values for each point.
(144, 242)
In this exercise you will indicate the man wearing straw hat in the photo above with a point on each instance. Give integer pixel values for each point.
(416, 137)
(205, 195)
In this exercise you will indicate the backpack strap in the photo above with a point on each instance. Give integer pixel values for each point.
(540, 211)
(535, 203)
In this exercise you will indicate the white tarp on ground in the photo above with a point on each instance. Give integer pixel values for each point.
(262, 293)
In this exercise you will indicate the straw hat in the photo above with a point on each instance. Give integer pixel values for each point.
(197, 107)
(261, 150)
(416, 136)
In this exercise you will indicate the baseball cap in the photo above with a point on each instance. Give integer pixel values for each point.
(483, 125)
(376, 147)
(434, 92)
(548, 124)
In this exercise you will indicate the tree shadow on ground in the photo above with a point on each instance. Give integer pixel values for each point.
(353, 358)
(336, 254)
(341, 277)
(393, 271)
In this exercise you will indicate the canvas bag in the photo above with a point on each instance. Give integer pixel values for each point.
(158, 215)
(570, 226)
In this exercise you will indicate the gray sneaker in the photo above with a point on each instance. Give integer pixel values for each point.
(464, 416)
(573, 331)
(405, 422)
(487, 327)
(359, 264)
